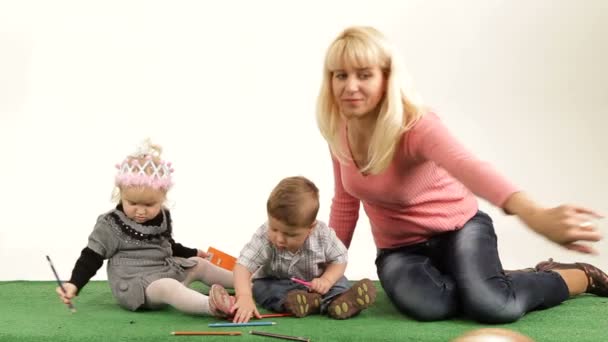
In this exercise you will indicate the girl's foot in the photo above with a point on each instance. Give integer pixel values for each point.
(220, 302)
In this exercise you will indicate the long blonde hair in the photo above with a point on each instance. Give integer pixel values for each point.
(400, 108)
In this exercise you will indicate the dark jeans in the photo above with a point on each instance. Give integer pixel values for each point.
(459, 272)
(270, 293)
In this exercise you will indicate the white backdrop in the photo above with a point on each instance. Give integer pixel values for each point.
(229, 88)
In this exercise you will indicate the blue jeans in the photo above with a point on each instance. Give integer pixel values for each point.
(270, 293)
(459, 272)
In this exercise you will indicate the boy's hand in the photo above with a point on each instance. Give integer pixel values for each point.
(70, 292)
(320, 285)
(245, 309)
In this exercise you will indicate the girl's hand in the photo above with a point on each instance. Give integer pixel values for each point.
(202, 254)
(320, 285)
(567, 225)
(70, 292)
(245, 309)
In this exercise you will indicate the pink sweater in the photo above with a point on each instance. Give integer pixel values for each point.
(428, 188)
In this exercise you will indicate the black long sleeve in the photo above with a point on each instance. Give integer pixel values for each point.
(86, 266)
(180, 251)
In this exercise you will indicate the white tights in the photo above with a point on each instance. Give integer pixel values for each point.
(170, 291)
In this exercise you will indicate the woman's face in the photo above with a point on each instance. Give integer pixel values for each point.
(358, 91)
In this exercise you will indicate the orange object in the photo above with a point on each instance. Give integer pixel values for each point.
(221, 259)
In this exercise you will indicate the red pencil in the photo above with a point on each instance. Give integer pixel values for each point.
(285, 314)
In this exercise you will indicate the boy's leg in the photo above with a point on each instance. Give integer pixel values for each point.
(270, 293)
(208, 273)
(341, 286)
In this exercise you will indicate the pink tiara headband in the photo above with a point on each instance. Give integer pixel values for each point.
(133, 172)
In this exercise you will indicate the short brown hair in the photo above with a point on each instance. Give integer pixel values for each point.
(290, 202)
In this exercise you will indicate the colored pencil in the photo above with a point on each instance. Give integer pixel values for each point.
(70, 305)
(248, 324)
(303, 282)
(272, 315)
(284, 337)
(195, 333)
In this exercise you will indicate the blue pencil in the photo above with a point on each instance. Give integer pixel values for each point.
(248, 324)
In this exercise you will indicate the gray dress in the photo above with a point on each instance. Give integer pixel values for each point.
(138, 255)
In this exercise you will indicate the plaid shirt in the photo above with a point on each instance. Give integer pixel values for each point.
(321, 248)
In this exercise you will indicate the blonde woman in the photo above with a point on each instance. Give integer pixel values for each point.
(437, 255)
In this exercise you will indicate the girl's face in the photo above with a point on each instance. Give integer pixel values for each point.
(141, 204)
(358, 91)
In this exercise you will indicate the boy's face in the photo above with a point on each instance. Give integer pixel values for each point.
(287, 237)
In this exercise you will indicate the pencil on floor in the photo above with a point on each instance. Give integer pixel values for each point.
(248, 324)
(272, 315)
(195, 333)
(284, 337)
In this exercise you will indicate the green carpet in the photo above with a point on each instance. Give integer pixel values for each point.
(30, 311)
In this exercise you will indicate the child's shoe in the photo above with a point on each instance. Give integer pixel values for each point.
(220, 302)
(302, 303)
(348, 304)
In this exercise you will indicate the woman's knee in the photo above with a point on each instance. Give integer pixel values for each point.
(427, 312)
(492, 310)
(427, 299)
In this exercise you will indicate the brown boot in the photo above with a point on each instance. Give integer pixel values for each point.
(598, 280)
(360, 296)
(302, 303)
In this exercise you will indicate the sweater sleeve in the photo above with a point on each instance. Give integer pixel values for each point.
(86, 266)
(431, 140)
(344, 208)
(181, 251)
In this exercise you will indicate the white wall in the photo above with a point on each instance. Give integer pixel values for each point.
(229, 87)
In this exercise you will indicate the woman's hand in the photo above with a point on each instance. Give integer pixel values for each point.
(245, 309)
(567, 225)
